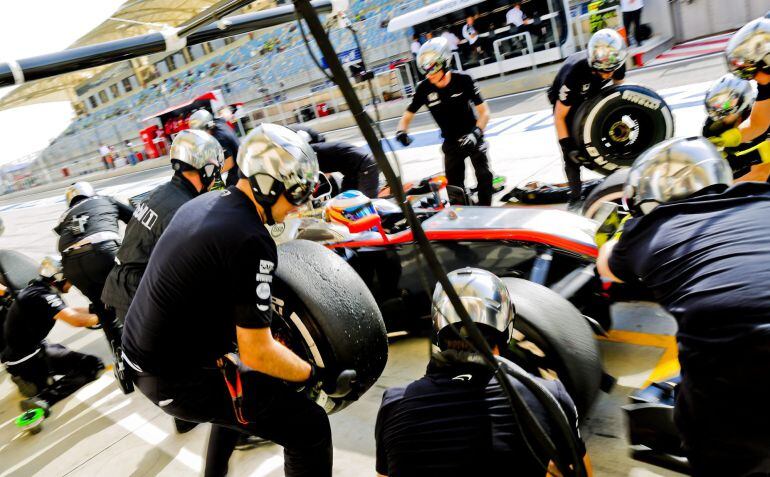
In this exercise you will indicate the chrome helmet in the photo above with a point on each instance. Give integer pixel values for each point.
(434, 55)
(196, 150)
(748, 50)
(486, 299)
(51, 268)
(201, 119)
(78, 189)
(606, 50)
(729, 95)
(277, 160)
(673, 170)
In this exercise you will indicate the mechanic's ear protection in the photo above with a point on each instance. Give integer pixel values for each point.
(266, 192)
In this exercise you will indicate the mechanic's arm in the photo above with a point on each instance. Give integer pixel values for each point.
(228, 164)
(76, 317)
(560, 119)
(405, 121)
(758, 121)
(603, 261)
(482, 116)
(618, 81)
(125, 212)
(261, 352)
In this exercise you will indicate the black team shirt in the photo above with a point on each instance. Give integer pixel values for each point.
(30, 319)
(576, 82)
(450, 106)
(211, 271)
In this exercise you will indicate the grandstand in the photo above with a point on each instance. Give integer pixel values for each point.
(270, 72)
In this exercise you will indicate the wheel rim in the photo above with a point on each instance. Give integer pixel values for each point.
(626, 133)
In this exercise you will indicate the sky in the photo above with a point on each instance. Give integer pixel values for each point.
(34, 27)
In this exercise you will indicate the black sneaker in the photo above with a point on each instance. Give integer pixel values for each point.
(246, 442)
(183, 426)
(35, 403)
(26, 388)
(575, 206)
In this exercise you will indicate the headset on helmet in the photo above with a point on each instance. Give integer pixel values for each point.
(277, 160)
(201, 119)
(606, 50)
(78, 189)
(196, 150)
(673, 170)
(729, 95)
(51, 268)
(486, 299)
(348, 207)
(748, 51)
(308, 134)
(435, 55)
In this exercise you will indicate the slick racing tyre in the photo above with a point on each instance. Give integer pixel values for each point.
(554, 339)
(325, 313)
(16, 270)
(620, 123)
(611, 190)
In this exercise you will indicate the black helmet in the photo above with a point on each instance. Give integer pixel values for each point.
(193, 149)
(78, 189)
(487, 301)
(729, 95)
(277, 160)
(435, 55)
(606, 50)
(308, 134)
(673, 170)
(748, 50)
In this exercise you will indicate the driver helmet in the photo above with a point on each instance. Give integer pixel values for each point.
(606, 50)
(277, 160)
(729, 95)
(434, 55)
(51, 269)
(487, 301)
(673, 170)
(78, 189)
(196, 150)
(348, 207)
(748, 50)
(201, 119)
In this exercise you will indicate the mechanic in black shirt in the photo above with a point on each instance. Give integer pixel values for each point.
(207, 287)
(728, 103)
(701, 248)
(747, 57)
(457, 420)
(357, 166)
(88, 242)
(581, 77)
(455, 103)
(224, 134)
(28, 358)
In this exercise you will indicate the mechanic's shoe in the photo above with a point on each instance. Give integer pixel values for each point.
(183, 426)
(35, 403)
(122, 375)
(26, 388)
(575, 206)
(246, 442)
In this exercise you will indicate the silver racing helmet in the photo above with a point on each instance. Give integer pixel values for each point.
(434, 55)
(748, 50)
(486, 299)
(606, 50)
(277, 160)
(201, 119)
(78, 189)
(673, 170)
(196, 150)
(51, 268)
(729, 95)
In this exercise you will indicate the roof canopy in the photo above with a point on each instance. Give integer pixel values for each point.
(429, 12)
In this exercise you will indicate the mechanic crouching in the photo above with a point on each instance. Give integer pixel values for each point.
(33, 363)
(701, 247)
(457, 420)
(207, 292)
(580, 78)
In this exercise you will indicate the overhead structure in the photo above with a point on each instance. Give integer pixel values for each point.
(133, 18)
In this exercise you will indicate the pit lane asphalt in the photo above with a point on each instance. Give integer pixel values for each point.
(99, 431)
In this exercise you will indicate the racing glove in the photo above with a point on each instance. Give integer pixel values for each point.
(570, 151)
(338, 385)
(469, 142)
(730, 138)
(403, 138)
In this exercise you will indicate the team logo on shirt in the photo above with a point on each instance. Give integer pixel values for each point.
(586, 87)
(433, 99)
(563, 93)
(54, 301)
(266, 266)
(263, 291)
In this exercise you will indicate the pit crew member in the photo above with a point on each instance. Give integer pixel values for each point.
(700, 247)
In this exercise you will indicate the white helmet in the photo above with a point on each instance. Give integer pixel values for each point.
(196, 150)
(673, 170)
(729, 95)
(51, 268)
(78, 189)
(606, 50)
(435, 55)
(201, 119)
(748, 50)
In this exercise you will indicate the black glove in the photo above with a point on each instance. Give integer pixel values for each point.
(470, 142)
(403, 138)
(334, 385)
(570, 151)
